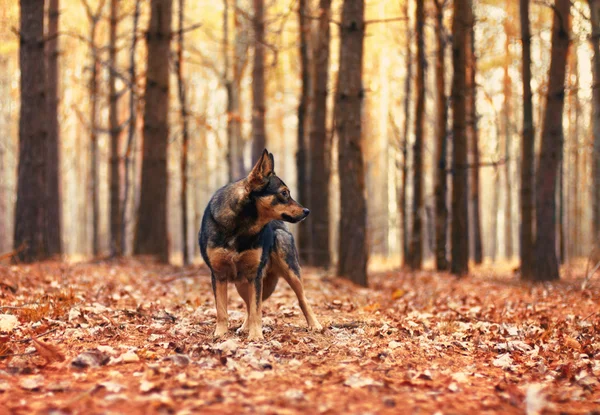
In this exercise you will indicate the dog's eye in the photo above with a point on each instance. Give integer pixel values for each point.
(285, 194)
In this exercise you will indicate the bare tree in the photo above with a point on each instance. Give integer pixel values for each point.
(405, 141)
(302, 161)
(31, 236)
(527, 150)
(185, 136)
(131, 127)
(441, 143)
(463, 13)
(551, 147)
(595, 40)
(507, 114)
(115, 136)
(320, 145)
(94, 16)
(232, 77)
(416, 241)
(353, 252)
(473, 140)
(259, 133)
(53, 204)
(151, 237)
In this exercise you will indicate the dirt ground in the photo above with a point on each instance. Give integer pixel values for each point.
(127, 337)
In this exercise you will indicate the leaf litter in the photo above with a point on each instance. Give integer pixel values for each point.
(123, 337)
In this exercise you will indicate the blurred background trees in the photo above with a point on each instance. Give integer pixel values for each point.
(119, 119)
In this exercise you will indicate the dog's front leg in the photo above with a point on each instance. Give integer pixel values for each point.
(255, 309)
(220, 291)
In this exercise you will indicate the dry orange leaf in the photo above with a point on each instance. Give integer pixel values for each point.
(372, 307)
(399, 293)
(48, 351)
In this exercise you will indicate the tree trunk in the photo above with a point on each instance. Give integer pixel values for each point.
(235, 145)
(405, 141)
(461, 23)
(320, 145)
(131, 127)
(551, 147)
(151, 237)
(473, 139)
(53, 206)
(115, 137)
(440, 177)
(527, 150)
(185, 137)
(416, 240)
(302, 161)
(93, 91)
(595, 39)
(30, 212)
(353, 253)
(259, 139)
(507, 125)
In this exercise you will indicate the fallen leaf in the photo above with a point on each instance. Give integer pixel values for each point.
(130, 357)
(8, 322)
(503, 361)
(228, 346)
(112, 387)
(48, 351)
(90, 358)
(357, 381)
(535, 401)
(32, 383)
(398, 293)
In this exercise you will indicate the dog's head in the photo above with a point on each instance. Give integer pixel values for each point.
(271, 195)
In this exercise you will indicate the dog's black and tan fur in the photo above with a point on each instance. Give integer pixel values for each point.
(243, 240)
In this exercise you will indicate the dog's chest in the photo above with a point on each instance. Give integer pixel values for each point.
(231, 265)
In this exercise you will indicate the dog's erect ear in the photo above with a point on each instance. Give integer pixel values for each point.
(262, 170)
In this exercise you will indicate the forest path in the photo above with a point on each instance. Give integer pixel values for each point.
(137, 339)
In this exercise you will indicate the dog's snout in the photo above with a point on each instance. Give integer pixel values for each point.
(306, 211)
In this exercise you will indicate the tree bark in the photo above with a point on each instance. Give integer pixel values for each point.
(416, 240)
(353, 253)
(30, 212)
(507, 125)
(131, 127)
(151, 237)
(94, 19)
(54, 209)
(404, 144)
(473, 139)
(235, 147)
(460, 225)
(595, 40)
(185, 137)
(302, 161)
(259, 140)
(115, 137)
(527, 150)
(551, 147)
(441, 144)
(320, 145)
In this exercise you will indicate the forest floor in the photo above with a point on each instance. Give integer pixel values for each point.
(127, 337)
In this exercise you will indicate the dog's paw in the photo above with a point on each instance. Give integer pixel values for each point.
(316, 326)
(220, 331)
(243, 329)
(255, 336)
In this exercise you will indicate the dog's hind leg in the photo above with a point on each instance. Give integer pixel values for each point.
(255, 309)
(286, 259)
(220, 291)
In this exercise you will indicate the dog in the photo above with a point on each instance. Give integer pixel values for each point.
(244, 240)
